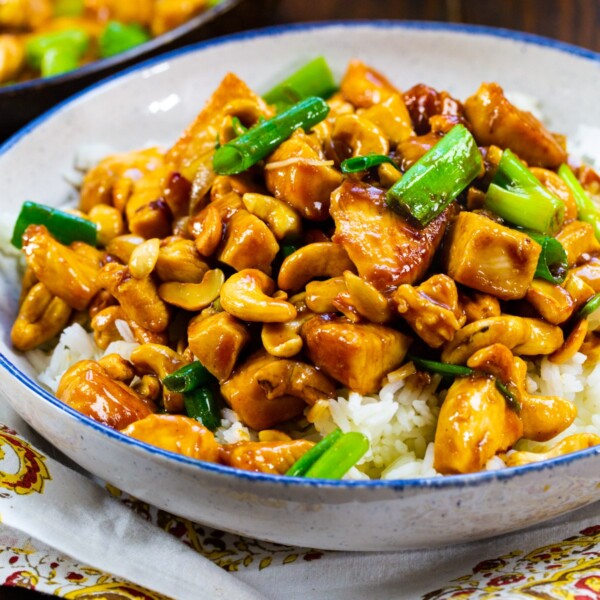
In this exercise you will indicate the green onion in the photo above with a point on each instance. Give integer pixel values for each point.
(65, 227)
(72, 41)
(516, 195)
(552, 263)
(201, 404)
(57, 61)
(442, 368)
(312, 79)
(119, 37)
(68, 8)
(590, 307)
(511, 399)
(362, 163)
(188, 378)
(335, 462)
(586, 209)
(238, 127)
(437, 178)
(248, 149)
(306, 461)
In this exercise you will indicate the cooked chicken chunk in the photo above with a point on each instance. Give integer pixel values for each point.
(358, 355)
(364, 87)
(490, 257)
(496, 121)
(385, 248)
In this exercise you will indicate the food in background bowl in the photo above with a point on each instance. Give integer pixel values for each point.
(416, 272)
(51, 37)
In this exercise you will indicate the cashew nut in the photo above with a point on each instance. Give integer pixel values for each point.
(361, 135)
(193, 296)
(578, 239)
(123, 246)
(210, 232)
(392, 118)
(283, 339)
(281, 218)
(572, 344)
(323, 259)
(41, 316)
(320, 295)
(552, 301)
(143, 258)
(368, 301)
(109, 222)
(572, 443)
(178, 260)
(246, 295)
(117, 368)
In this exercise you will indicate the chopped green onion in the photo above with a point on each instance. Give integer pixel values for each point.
(248, 149)
(437, 178)
(74, 41)
(57, 61)
(511, 399)
(306, 461)
(590, 307)
(238, 127)
(188, 378)
(312, 79)
(362, 163)
(586, 209)
(335, 462)
(201, 404)
(553, 264)
(442, 368)
(287, 249)
(119, 37)
(63, 226)
(68, 8)
(516, 195)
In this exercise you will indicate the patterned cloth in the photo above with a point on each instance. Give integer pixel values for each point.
(65, 535)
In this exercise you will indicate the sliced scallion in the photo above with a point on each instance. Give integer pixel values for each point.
(188, 378)
(444, 369)
(306, 461)
(362, 163)
(511, 399)
(201, 404)
(335, 462)
(553, 264)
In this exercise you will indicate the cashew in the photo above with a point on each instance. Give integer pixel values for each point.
(178, 260)
(109, 222)
(210, 233)
(148, 387)
(544, 338)
(283, 339)
(143, 258)
(572, 443)
(245, 295)
(320, 295)
(388, 175)
(392, 117)
(41, 316)
(193, 296)
(579, 240)
(117, 368)
(161, 361)
(281, 218)
(361, 135)
(123, 246)
(572, 344)
(368, 301)
(325, 259)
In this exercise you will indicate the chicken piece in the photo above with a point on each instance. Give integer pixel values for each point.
(572, 443)
(111, 180)
(216, 341)
(412, 149)
(176, 433)
(198, 140)
(474, 424)
(41, 317)
(12, 57)
(26, 15)
(579, 241)
(364, 87)
(478, 306)
(386, 249)
(490, 257)
(133, 11)
(431, 309)
(358, 355)
(391, 117)
(298, 173)
(553, 302)
(522, 335)
(589, 273)
(423, 103)
(251, 392)
(494, 120)
(274, 457)
(359, 135)
(248, 243)
(67, 273)
(543, 417)
(178, 260)
(138, 297)
(88, 388)
(169, 14)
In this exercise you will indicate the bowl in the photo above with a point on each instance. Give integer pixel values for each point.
(155, 101)
(21, 102)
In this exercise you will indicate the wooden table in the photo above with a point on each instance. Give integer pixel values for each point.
(574, 21)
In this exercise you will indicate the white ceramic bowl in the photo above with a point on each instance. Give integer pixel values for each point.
(155, 102)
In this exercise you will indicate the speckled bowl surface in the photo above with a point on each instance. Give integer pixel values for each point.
(154, 102)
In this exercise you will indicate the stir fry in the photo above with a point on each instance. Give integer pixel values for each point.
(317, 241)
(44, 38)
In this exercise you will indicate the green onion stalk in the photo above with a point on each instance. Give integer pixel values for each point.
(119, 37)
(306, 461)
(337, 460)
(516, 195)
(553, 264)
(188, 378)
(57, 52)
(437, 178)
(362, 163)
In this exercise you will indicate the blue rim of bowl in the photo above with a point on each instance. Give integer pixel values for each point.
(98, 66)
(468, 480)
